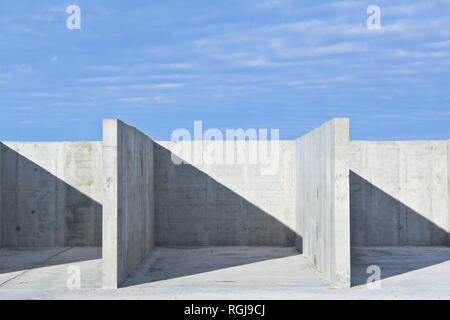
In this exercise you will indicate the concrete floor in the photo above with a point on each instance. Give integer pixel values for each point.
(46, 268)
(225, 273)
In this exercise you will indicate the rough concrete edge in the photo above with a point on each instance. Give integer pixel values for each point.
(111, 275)
(1, 228)
(122, 125)
(342, 201)
(341, 264)
(298, 241)
(109, 212)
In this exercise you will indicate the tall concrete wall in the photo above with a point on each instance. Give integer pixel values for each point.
(448, 190)
(128, 210)
(51, 194)
(322, 199)
(1, 228)
(399, 193)
(209, 201)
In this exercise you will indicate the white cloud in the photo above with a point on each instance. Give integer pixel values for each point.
(25, 69)
(167, 85)
(150, 86)
(175, 66)
(134, 99)
(105, 79)
(272, 3)
(438, 45)
(46, 95)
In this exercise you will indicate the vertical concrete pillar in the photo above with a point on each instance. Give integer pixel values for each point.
(448, 190)
(1, 228)
(128, 202)
(323, 199)
(110, 205)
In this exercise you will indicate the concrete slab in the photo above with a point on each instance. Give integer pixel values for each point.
(47, 268)
(224, 267)
(401, 264)
(224, 273)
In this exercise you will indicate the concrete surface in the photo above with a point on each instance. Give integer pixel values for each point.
(47, 268)
(51, 194)
(448, 190)
(399, 193)
(128, 211)
(322, 199)
(279, 194)
(244, 267)
(230, 273)
(1, 186)
(204, 204)
(396, 262)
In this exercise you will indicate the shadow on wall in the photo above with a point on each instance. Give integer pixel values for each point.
(193, 209)
(41, 210)
(379, 220)
(193, 212)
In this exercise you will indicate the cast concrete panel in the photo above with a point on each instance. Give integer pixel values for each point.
(211, 202)
(51, 194)
(1, 148)
(128, 212)
(399, 193)
(322, 199)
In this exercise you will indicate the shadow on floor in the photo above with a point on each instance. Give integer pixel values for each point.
(169, 263)
(24, 265)
(387, 233)
(393, 261)
(193, 210)
(42, 215)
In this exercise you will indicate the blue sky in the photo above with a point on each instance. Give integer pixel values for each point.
(281, 64)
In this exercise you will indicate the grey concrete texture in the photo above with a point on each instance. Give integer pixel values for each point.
(49, 268)
(403, 261)
(322, 199)
(327, 194)
(1, 187)
(399, 193)
(225, 273)
(260, 266)
(128, 210)
(51, 194)
(210, 204)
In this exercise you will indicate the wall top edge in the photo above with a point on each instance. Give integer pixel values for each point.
(123, 124)
(392, 141)
(343, 122)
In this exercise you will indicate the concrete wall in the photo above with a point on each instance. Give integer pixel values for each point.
(210, 201)
(51, 194)
(128, 210)
(322, 199)
(1, 228)
(399, 193)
